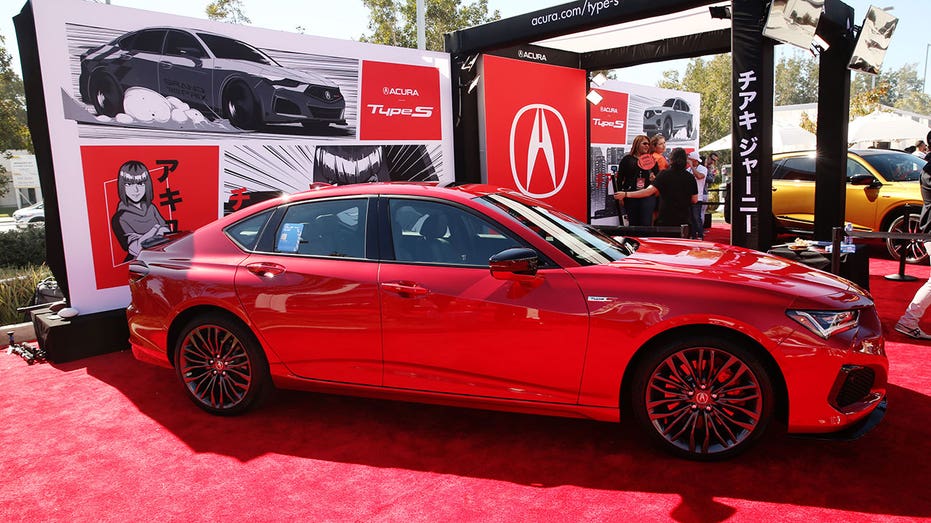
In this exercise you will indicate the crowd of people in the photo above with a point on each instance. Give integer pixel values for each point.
(655, 190)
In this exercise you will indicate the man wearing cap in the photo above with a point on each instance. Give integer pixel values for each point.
(700, 172)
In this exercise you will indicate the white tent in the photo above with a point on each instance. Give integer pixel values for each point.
(786, 137)
(879, 126)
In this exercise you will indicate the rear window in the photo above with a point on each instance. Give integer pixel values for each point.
(246, 233)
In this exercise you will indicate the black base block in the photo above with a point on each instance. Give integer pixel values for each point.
(83, 336)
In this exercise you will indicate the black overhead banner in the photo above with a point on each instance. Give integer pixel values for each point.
(558, 20)
(752, 119)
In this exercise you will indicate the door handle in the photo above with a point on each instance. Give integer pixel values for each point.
(405, 289)
(265, 270)
(165, 65)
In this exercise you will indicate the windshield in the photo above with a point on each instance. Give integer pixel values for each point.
(895, 166)
(670, 102)
(230, 49)
(582, 242)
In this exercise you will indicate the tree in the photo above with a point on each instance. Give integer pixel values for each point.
(796, 80)
(710, 78)
(227, 11)
(14, 131)
(394, 22)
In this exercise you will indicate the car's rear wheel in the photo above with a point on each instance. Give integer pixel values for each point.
(221, 365)
(913, 250)
(240, 106)
(704, 398)
(106, 94)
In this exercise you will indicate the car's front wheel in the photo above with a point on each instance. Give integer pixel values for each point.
(106, 94)
(667, 128)
(913, 250)
(703, 398)
(688, 129)
(240, 106)
(221, 365)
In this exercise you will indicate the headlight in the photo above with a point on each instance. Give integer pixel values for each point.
(826, 323)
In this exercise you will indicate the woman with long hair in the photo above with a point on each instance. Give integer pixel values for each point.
(637, 170)
(676, 188)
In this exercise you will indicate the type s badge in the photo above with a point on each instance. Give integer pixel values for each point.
(399, 102)
(609, 118)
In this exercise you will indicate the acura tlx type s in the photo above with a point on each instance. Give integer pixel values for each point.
(476, 296)
(223, 77)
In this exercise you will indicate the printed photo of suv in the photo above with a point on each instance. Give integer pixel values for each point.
(220, 76)
(668, 119)
(880, 183)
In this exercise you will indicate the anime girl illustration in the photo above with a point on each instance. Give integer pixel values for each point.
(136, 221)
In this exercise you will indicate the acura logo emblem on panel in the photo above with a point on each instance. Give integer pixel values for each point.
(541, 141)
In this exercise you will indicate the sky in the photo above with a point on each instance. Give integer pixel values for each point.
(348, 19)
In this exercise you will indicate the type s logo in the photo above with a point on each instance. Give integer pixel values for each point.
(399, 102)
(540, 148)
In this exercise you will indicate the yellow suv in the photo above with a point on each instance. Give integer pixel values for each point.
(880, 183)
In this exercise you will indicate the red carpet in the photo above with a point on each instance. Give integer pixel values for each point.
(111, 439)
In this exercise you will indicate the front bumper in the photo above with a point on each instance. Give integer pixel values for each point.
(855, 431)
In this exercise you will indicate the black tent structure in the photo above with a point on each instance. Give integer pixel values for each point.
(616, 34)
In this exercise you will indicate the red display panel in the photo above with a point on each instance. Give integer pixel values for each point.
(609, 118)
(535, 125)
(184, 196)
(399, 102)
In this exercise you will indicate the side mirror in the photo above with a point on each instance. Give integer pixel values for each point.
(514, 264)
(865, 179)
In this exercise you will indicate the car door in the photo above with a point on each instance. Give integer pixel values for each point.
(181, 69)
(861, 206)
(450, 327)
(794, 192)
(312, 294)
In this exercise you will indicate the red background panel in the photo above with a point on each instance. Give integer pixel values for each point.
(609, 118)
(399, 102)
(196, 180)
(535, 126)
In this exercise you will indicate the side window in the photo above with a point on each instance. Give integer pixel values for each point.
(183, 44)
(801, 168)
(324, 228)
(430, 232)
(126, 43)
(854, 168)
(246, 232)
(149, 41)
(685, 106)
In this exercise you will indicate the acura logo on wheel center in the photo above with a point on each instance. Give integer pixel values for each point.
(541, 141)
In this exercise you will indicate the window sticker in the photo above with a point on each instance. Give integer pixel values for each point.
(290, 238)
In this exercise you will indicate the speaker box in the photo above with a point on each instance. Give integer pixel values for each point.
(69, 339)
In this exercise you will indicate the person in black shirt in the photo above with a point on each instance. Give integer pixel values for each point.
(636, 171)
(676, 188)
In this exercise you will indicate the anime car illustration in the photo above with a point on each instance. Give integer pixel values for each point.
(220, 76)
(481, 297)
(668, 118)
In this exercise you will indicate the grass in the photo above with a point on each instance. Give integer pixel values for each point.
(17, 287)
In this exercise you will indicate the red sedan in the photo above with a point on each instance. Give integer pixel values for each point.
(480, 297)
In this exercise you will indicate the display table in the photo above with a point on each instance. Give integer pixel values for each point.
(855, 266)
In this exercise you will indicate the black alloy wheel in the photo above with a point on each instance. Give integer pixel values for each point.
(913, 250)
(106, 94)
(705, 399)
(221, 365)
(240, 106)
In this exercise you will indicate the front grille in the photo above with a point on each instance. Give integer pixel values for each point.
(325, 114)
(855, 386)
(327, 94)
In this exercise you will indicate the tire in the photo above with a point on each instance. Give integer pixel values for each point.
(914, 249)
(667, 129)
(688, 129)
(240, 107)
(221, 365)
(705, 416)
(106, 94)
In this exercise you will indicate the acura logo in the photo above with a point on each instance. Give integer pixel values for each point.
(541, 141)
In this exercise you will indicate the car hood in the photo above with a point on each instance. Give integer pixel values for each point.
(718, 264)
(658, 109)
(272, 72)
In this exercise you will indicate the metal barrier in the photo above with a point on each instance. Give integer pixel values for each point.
(837, 235)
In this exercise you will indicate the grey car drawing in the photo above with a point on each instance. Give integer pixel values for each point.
(220, 76)
(668, 118)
